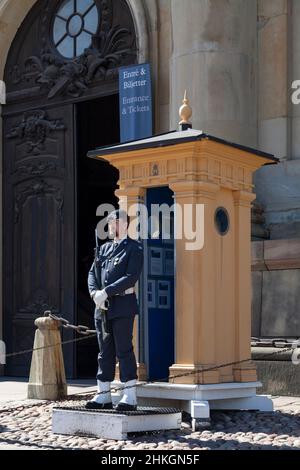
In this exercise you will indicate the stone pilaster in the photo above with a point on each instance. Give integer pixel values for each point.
(215, 47)
(246, 371)
(195, 306)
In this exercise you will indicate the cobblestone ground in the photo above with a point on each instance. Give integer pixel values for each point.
(278, 430)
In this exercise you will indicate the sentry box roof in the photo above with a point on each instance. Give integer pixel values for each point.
(169, 139)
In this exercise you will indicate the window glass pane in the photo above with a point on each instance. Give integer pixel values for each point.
(84, 5)
(91, 20)
(66, 47)
(75, 25)
(83, 42)
(66, 9)
(71, 18)
(59, 29)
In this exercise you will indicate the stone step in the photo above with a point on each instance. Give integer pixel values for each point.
(110, 424)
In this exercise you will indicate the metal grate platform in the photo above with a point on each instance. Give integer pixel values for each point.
(113, 424)
(141, 411)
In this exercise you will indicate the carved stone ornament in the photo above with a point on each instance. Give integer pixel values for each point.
(39, 304)
(155, 170)
(33, 130)
(100, 61)
(37, 168)
(38, 188)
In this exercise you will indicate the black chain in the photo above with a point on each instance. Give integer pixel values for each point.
(27, 351)
(275, 342)
(185, 374)
(80, 329)
(83, 330)
(166, 379)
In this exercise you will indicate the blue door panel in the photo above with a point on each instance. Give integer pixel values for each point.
(161, 317)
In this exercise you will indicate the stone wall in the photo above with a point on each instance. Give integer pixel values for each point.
(164, 70)
(278, 187)
(275, 288)
(215, 59)
(273, 50)
(159, 21)
(278, 378)
(276, 262)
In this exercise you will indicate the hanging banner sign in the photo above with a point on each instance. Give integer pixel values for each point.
(135, 102)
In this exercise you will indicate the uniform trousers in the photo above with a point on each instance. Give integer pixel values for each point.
(115, 341)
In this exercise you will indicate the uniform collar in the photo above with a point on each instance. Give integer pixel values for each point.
(117, 242)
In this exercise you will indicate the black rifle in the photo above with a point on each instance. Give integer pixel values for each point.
(105, 332)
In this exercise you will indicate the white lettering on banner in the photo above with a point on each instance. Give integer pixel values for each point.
(134, 73)
(133, 84)
(135, 102)
(135, 109)
(135, 99)
(138, 109)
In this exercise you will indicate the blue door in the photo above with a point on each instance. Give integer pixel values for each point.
(160, 283)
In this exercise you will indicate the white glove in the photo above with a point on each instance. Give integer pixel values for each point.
(100, 297)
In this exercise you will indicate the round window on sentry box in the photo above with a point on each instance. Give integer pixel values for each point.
(222, 220)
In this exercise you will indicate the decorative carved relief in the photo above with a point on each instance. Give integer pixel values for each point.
(34, 129)
(37, 168)
(155, 170)
(38, 188)
(57, 75)
(200, 169)
(258, 221)
(39, 304)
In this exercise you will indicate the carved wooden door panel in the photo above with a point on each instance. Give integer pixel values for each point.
(39, 200)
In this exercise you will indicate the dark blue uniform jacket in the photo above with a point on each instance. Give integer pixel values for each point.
(115, 270)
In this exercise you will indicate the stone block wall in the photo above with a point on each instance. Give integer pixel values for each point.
(276, 288)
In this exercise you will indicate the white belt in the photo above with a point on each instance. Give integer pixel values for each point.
(127, 291)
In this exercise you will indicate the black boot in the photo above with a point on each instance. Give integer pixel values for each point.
(93, 405)
(125, 407)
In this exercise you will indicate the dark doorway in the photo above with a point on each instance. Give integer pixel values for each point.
(97, 125)
(160, 284)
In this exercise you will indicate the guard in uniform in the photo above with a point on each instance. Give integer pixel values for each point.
(114, 272)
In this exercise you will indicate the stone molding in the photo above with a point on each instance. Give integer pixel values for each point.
(193, 161)
(271, 255)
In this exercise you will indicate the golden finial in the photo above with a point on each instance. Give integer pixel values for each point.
(185, 113)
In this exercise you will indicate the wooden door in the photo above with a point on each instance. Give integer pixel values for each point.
(39, 221)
